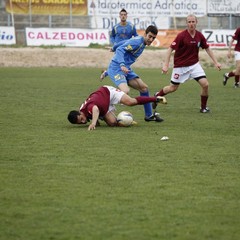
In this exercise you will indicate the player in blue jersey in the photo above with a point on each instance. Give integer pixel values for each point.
(122, 31)
(120, 72)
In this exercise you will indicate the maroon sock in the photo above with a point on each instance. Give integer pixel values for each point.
(161, 93)
(142, 100)
(237, 79)
(231, 74)
(204, 101)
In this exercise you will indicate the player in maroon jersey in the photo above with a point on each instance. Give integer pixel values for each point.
(234, 73)
(100, 104)
(186, 61)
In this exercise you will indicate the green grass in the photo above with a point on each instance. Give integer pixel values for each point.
(60, 181)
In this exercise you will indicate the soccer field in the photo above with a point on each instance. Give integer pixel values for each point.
(60, 181)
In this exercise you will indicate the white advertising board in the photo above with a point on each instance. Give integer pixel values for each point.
(142, 23)
(223, 6)
(7, 36)
(71, 37)
(218, 38)
(136, 8)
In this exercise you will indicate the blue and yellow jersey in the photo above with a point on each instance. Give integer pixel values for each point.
(127, 52)
(120, 33)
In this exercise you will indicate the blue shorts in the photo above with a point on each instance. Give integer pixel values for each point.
(117, 76)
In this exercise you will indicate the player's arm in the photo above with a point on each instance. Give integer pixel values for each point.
(135, 34)
(127, 47)
(95, 115)
(211, 55)
(167, 60)
(116, 45)
(112, 36)
(120, 52)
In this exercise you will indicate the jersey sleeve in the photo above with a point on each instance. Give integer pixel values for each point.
(176, 42)
(134, 31)
(113, 35)
(89, 108)
(236, 35)
(127, 47)
(116, 45)
(204, 44)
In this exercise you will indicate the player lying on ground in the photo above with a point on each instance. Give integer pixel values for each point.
(101, 104)
(121, 73)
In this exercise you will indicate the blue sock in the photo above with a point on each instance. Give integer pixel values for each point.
(147, 106)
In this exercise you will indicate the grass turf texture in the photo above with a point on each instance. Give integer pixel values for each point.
(60, 181)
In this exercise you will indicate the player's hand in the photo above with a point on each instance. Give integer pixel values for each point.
(109, 48)
(218, 65)
(92, 126)
(125, 69)
(165, 69)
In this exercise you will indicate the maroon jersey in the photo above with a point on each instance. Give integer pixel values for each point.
(100, 98)
(236, 36)
(187, 48)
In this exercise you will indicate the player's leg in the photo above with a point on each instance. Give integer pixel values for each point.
(104, 74)
(168, 89)
(164, 91)
(225, 78)
(140, 100)
(237, 73)
(124, 87)
(115, 98)
(118, 78)
(203, 82)
(228, 75)
(236, 84)
(139, 85)
(198, 74)
(110, 118)
(142, 87)
(178, 76)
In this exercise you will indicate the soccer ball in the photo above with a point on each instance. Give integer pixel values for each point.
(124, 119)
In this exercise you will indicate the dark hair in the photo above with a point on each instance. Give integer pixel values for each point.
(73, 116)
(153, 29)
(123, 10)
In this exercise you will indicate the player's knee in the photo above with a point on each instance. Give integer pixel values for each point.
(144, 89)
(237, 73)
(125, 89)
(205, 85)
(112, 123)
(132, 102)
